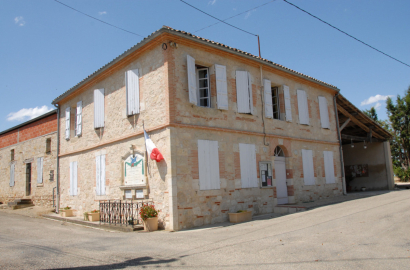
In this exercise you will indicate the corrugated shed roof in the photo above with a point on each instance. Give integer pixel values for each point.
(192, 37)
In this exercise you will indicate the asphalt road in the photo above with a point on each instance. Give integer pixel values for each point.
(369, 233)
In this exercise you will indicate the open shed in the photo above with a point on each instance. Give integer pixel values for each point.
(365, 148)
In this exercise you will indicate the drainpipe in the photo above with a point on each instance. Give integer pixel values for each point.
(58, 161)
(342, 166)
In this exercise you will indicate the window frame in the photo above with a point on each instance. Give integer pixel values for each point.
(275, 104)
(12, 154)
(199, 98)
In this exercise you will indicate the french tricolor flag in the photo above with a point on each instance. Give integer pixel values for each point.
(153, 151)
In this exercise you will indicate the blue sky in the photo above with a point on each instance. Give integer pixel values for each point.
(46, 48)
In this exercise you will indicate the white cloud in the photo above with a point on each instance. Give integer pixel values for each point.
(102, 12)
(248, 14)
(378, 105)
(212, 2)
(20, 21)
(374, 99)
(27, 114)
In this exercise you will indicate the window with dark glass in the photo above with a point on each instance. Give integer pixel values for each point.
(275, 103)
(204, 95)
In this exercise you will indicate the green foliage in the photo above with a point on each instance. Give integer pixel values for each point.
(371, 114)
(241, 211)
(399, 116)
(86, 216)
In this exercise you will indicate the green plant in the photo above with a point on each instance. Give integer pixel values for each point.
(148, 211)
(66, 208)
(241, 211)
(86, 216)
(95, 211)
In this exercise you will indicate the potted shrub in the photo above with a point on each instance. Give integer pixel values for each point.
(66, 212)
(240, 216)
(94, 215)
(149, 216)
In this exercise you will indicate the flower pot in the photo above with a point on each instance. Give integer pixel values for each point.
(94, 216)
(151, 224)
(67, 213)
(240, 217)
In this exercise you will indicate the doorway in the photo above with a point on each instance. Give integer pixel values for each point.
(280, 173)
(28, 179)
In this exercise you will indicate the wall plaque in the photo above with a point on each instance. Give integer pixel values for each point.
(134, 170)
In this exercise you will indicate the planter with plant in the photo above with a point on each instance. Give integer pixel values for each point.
(240, 216)
(149, 216)
(66, 212)
(94, 215)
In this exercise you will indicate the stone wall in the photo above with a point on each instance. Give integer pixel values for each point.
(198, 207)
(28, 151)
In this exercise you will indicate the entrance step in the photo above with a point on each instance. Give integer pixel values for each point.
(20, 203)
(288, 209)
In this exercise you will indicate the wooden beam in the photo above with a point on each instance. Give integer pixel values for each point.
(356, 121)
(344, 124)
(360, 139)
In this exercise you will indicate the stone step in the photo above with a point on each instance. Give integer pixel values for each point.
(288, 209)
(20, 206)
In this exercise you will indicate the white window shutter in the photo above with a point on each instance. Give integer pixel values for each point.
(329, 169)
(40, 170)
(247, 155)
(308, 171)
(303, 107)
(67, 123)
(102, 175)
(71, 178)
(268, 98)
(208, 162)
(324, 112)
(288, 107)
(79, 117)
(99, 108)
(192, 89)
(221, 87)
(12, 169)
(242, 92)
(250, 93)
(75, 177)
(133, 91)
(98, 175)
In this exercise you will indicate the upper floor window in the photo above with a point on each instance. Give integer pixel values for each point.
(12, 154)
(244, 92)
(275, 102)
(204, 93)
(48, 145)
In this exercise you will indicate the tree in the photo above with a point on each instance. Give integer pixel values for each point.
(399, 116)
(371, 113)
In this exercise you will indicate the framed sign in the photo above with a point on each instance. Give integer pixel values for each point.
(134, 170)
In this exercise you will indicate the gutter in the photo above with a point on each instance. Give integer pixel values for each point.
(342, 166)
(58, 161)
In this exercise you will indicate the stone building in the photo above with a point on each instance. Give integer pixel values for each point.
(28, 160)
(236, 131)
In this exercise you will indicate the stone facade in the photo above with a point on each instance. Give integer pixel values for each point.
(175, 126)
(29, 142)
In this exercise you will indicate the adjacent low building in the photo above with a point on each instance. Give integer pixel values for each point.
(28, 161)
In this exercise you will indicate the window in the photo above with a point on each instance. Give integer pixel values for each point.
(73, 178)
(247, 155)
(244, 92)
(278, 152)
(48, 145)
(208, 162)
(329, 168)
(303, 108)
(100, 174)
(99, 108)
(265, 169)
(12, 154)
(308, 170)
(324, 112)
(275, 102)
(204, 94)
(40, 162)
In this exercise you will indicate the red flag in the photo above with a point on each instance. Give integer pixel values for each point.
(152, 150)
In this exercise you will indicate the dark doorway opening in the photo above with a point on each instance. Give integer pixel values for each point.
(28, 179)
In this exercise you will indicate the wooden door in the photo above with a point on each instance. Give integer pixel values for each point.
(28, 179)
(281, 187)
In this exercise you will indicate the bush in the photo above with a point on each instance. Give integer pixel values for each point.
(402, 173)
(148, 211)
